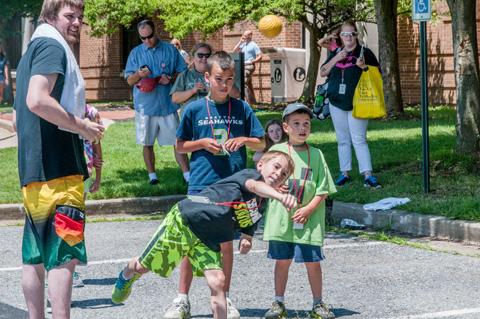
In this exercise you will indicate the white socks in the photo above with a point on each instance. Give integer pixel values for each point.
(181, 297)
(186, 176)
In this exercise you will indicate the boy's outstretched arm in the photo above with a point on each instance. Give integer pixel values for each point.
(263, 190)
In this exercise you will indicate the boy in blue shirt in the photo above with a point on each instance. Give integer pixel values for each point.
(215, 129)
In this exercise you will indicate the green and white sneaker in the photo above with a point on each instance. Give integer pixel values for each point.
(321, 311)
(277, 311)
(179, 309)
(123, 288)
(232, 311)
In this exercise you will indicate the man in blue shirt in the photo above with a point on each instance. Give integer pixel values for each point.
(252, 55)
(151, 69)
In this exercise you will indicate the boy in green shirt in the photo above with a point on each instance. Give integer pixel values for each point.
(299, 233)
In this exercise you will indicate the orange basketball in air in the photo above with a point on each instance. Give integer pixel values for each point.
(270, 26)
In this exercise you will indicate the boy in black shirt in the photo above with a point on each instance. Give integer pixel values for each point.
(196, 227)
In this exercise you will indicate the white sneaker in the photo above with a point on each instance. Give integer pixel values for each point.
(232, 312)
(179, 309)
(77, 281)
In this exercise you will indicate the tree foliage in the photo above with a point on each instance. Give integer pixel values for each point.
(182, 17)
(16, 8)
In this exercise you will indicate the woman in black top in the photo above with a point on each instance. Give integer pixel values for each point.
(344, 68)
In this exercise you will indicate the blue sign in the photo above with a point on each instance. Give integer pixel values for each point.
(421, 10)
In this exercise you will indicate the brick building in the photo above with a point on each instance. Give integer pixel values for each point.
(441, 73)
(102, 59)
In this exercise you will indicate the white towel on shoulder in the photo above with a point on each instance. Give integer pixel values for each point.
(73, 93)
(386, 203)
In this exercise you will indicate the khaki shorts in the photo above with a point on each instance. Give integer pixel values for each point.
(174, 240)
(55, 222)
(163, 128)
(249, 69)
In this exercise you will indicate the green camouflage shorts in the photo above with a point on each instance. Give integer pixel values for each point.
(174, 240)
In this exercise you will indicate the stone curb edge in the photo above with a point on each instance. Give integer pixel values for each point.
(7, 125)
(409, 223)
(131, 206)
(399, 221)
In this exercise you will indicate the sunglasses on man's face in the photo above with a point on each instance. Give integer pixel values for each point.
(203, 55)
(348, 34)
(147, 37)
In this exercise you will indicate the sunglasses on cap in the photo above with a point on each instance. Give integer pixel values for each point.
(203, 55)
(348, 33)
(147, 37)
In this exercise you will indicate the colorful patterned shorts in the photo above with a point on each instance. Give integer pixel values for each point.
(174, 240)
(55, 222)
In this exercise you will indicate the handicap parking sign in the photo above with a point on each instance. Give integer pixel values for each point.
(421, 10)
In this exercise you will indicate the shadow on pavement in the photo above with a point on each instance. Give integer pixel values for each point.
(8, 312)
(100, 282)
(340, 312)
(259, 313)
(93, 303)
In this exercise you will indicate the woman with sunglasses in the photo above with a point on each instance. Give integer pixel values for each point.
(344, 68)
(190, 85)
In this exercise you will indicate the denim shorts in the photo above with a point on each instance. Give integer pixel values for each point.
(301, 253)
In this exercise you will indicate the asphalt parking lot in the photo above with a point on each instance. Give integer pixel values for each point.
(362, 279)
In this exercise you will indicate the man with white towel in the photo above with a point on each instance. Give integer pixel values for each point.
(49, 104)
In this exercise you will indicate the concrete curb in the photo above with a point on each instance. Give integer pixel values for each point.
(6, 125)
(400, 221)
(138, 205)
(409, 223)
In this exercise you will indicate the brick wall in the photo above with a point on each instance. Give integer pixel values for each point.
(441, 76)
(101, 65)
(101, 58)
(101, 61)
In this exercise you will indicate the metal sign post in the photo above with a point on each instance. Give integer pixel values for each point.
(422, 12)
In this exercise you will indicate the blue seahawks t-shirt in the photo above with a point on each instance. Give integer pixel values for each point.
(205, 167)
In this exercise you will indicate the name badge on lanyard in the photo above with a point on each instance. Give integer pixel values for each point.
(342, 87)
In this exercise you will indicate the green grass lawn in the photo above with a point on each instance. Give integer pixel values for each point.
(5, 108)
(396, 151)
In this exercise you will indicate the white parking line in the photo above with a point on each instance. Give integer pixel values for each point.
(255, 251)
(441, 314)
